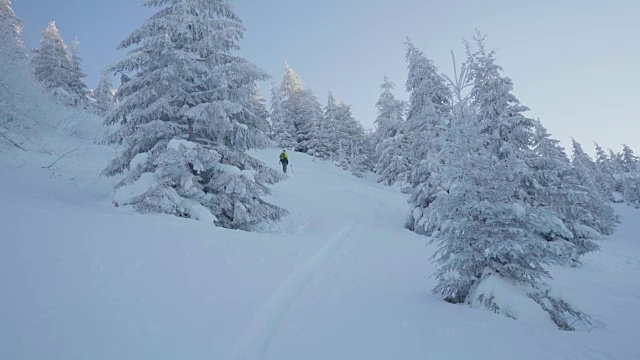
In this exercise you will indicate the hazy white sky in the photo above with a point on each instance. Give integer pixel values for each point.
(575, 63)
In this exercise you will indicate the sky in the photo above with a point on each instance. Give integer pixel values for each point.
(574, 63)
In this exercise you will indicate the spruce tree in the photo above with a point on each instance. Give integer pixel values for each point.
(281, 130)
(427, 123)
(77, 85)
(584, 165)
(605, 180)
(187, 115)
(309, 115)
(51, 61)
(584, 212)
(391, 161)
(630, 176)
(301, 110)
(12, 48)
(104, 94)
(493, 229)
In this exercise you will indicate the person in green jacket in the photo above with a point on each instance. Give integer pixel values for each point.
(284, 160)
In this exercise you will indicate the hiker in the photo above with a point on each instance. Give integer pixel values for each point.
(284, 160)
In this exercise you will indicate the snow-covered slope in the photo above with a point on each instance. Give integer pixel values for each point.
(340, 278)
(47, 134)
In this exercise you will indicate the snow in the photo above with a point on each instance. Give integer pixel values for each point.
(234, 170)
(518, 210)
(125, 193)
(175, 144)
(339, 278)
(514, 302)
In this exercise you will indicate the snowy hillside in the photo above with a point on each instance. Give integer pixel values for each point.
(339, 278)
(43, 133)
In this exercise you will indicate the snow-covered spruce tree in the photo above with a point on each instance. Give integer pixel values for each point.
(14, 133)
(394, 165)
(630, 162)
(259, 109)
(391, 163)
(186, 116)
(428, 120)
(51, 61)
(296, 102)
(76, 85)
(12, 48)
(307, 130)
(324, 144)
(493, 236)
(330, 131)
(584, 212)
(58, 70)
(352, 152)
(104, 94)
(281, 130)
(584, 165)
(605, 181)
(629, 176)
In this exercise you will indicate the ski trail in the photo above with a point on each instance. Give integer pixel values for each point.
(256, 338)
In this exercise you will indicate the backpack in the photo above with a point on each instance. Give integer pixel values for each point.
(283, 157)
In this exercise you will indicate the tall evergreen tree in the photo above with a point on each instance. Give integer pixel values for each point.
(584, 165)
(281, 130)
(391, 157)
(104, 94)
(585, 213)
(352, 153)
(309, 115)
(428, 121)
(605, 180)
(300, 110)
(77, 85)
(12, 49)
(187, 115)
(629, 160)
(630, 176)
(325, 146)
(51, 61)
(494, 232)
(58, 70)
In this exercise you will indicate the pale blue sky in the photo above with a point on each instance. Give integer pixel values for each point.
(575, 63)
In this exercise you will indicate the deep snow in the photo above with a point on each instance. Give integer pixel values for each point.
(340, 278)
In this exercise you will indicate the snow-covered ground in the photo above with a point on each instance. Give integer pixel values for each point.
(340, 278)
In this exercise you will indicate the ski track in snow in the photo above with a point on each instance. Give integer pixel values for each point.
(255, 340)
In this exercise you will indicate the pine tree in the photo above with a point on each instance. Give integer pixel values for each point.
(390, 156)
(352, 153)
(584, 166)
(309, 114)
(260, 110)
(332, 129)
(187, 115)
(12, 49)
(629, 160)
(493, 230)
(299, 107)
(76, 85)
(394, 164)
(58, 70)
(51, 61)
(584, 212)
(605, 180)
(281, 130)
(104, 94)
(630, 176)
(324, 145)
(428, 121)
